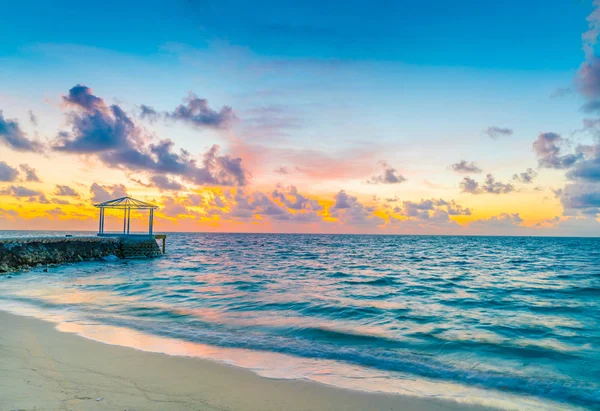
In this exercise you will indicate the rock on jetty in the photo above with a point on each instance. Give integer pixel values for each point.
(20, 253)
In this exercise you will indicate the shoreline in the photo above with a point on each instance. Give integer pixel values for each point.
(46, 369)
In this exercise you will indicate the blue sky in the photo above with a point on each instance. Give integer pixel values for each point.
(326, 90)
(530, 35)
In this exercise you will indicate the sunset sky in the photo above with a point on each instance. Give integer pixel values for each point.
(408, 116)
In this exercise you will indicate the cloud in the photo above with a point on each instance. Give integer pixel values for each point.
(163, 183)
(432, 209)
(196, 112)
(113, 137)
(7, 173)
(81, 96)
(588, 167)
(561, 92)
(469, 185)
(96, 127)
(489, 186)
(173, 208)
(292, 199)
(497, 224)
(588, 74)
(588, 78)
(102, 193)
(389, 176)
(581, 198)
(66, 191)
(463, 167)
(147, 112)
(349, 211)
(591, 106)
(282, 205)
(526, 177)
(282, 170)
(20, 191)
(13, 137)
(30, 173)
(496, 132)
(548, 149)
(32, 118)
(41, 199)
(11, 214)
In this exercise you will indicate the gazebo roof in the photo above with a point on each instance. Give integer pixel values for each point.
(126, 202)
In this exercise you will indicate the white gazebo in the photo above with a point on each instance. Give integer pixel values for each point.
(126, 204)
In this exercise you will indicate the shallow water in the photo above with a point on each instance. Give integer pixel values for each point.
(506, 321)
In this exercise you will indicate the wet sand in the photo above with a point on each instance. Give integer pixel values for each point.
(44, 369)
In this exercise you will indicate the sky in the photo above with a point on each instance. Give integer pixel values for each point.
(386, 117)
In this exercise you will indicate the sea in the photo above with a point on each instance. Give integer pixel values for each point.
(508, 322)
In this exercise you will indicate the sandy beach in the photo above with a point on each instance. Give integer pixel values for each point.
(44, 369)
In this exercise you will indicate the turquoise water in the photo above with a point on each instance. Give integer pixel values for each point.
(473, 319)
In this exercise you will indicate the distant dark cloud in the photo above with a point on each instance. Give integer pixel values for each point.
(20, 191)
(292, 199)
(489, 186)
(112, 136)
(548, 149)
(350, 211)
(502, 221)
(495, 132)
(525, 177)
(496, 187)
(591, 106)
(282, 170)
(33, 118)
(469, 185)
(30, 173)
(147, 112)
(196, 111)
(581, 198)
(433, 209)
(561, 92)
(389, 175)
(463, 167)
(7, 173)
(41, 199)
(588, 78)
(588, 166)
(65, 191)
(12, 136)
(59, 201)
(283, 205)
(102, 193)
(164, 183)
(81, 96)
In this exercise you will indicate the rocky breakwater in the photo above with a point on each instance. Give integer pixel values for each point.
(139, 246)
(20, 253)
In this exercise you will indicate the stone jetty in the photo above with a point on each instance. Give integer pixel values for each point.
(22, 253)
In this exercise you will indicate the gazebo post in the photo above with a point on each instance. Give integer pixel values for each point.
(150, 221)
(124, 220)
(128, 219)
(102, 220)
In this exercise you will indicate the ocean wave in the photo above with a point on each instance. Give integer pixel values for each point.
(519, 315)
